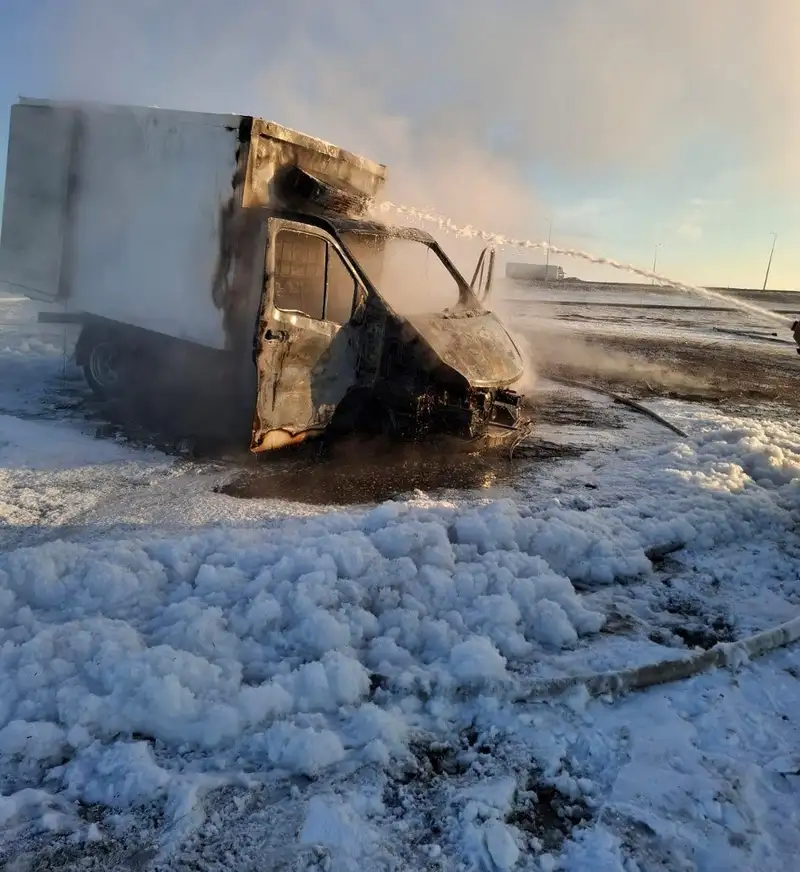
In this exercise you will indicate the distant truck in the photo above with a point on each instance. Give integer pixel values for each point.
(534, 272)
(234, 250)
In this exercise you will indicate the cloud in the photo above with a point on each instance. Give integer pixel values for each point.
(575, 81)
(690, 226)
(690, 230)
(698, 212)
(590, 207)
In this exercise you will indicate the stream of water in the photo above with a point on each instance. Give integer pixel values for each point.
(446, 225)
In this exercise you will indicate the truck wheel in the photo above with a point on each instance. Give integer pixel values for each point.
(103, 367)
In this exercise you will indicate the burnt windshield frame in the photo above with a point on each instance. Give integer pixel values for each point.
(466, 296)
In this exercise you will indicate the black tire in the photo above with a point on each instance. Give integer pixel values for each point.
(104, 365)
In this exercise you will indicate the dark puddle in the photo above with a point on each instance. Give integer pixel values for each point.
(560, 406)
(360, 473)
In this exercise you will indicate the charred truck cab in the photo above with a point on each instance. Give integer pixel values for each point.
(331, 350)
(231, 250)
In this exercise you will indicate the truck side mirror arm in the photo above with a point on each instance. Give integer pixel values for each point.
(483, 277)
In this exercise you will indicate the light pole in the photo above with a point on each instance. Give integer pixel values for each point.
(655, 261)
(547, 253)
(769, 262)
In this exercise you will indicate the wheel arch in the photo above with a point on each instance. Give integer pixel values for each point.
(91, 333)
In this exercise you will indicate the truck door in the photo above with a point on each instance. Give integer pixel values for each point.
(307, 346)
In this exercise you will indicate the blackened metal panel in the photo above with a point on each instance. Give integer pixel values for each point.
(303, 375)
(474, 344)
(305, 366)
(274, 148)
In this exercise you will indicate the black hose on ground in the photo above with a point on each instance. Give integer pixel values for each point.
(618, 398)
(724, 654)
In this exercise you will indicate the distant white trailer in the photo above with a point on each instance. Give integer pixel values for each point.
(534, 272)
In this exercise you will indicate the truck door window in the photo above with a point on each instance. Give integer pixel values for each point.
(300, 273)
(311, 278)
(341, 289)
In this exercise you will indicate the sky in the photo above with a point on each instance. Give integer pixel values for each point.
(628, 126)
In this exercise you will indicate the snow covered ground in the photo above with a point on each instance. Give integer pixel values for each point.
(194, 681)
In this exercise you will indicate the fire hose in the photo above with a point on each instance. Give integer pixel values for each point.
(723, 654)
(624, 401)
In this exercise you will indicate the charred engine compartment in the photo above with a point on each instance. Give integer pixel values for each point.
(416, 396)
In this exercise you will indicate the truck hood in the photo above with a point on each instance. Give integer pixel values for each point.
(474, 344)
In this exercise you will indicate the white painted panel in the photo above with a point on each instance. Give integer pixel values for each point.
(151, 188)
(34, 207)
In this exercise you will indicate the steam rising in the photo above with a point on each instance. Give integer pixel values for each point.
(617, 84)
(462, 100)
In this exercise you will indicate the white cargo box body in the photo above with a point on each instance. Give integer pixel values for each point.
(124, 212)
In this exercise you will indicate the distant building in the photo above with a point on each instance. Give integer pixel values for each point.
(534, 272)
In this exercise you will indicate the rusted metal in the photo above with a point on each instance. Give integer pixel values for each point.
(274, 149)
(475, 344)
(272, 440)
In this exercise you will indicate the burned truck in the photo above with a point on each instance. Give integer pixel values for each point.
(229, 250)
